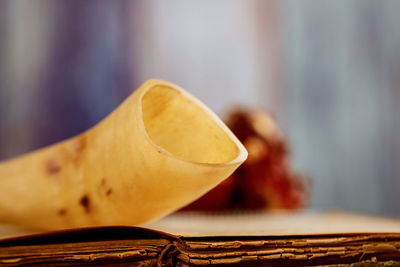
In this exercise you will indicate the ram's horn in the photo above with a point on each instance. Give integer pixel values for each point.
(159, 150)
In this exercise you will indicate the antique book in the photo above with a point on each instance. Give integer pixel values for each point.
(231, 239)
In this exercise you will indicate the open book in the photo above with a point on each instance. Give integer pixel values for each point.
(197, 239)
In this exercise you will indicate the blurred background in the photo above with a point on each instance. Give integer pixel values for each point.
(329, 71)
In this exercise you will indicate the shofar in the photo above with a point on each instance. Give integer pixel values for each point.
(159, 150)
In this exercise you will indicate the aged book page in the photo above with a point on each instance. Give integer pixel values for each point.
(272, 223)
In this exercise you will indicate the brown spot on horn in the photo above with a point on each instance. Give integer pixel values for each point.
(109, 191)
(80, 144)
(52, 166)
(62, 212)
(85, 202)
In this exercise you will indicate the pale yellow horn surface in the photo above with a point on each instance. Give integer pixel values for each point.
(159, 150)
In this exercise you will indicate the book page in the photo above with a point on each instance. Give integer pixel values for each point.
(272, 223)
